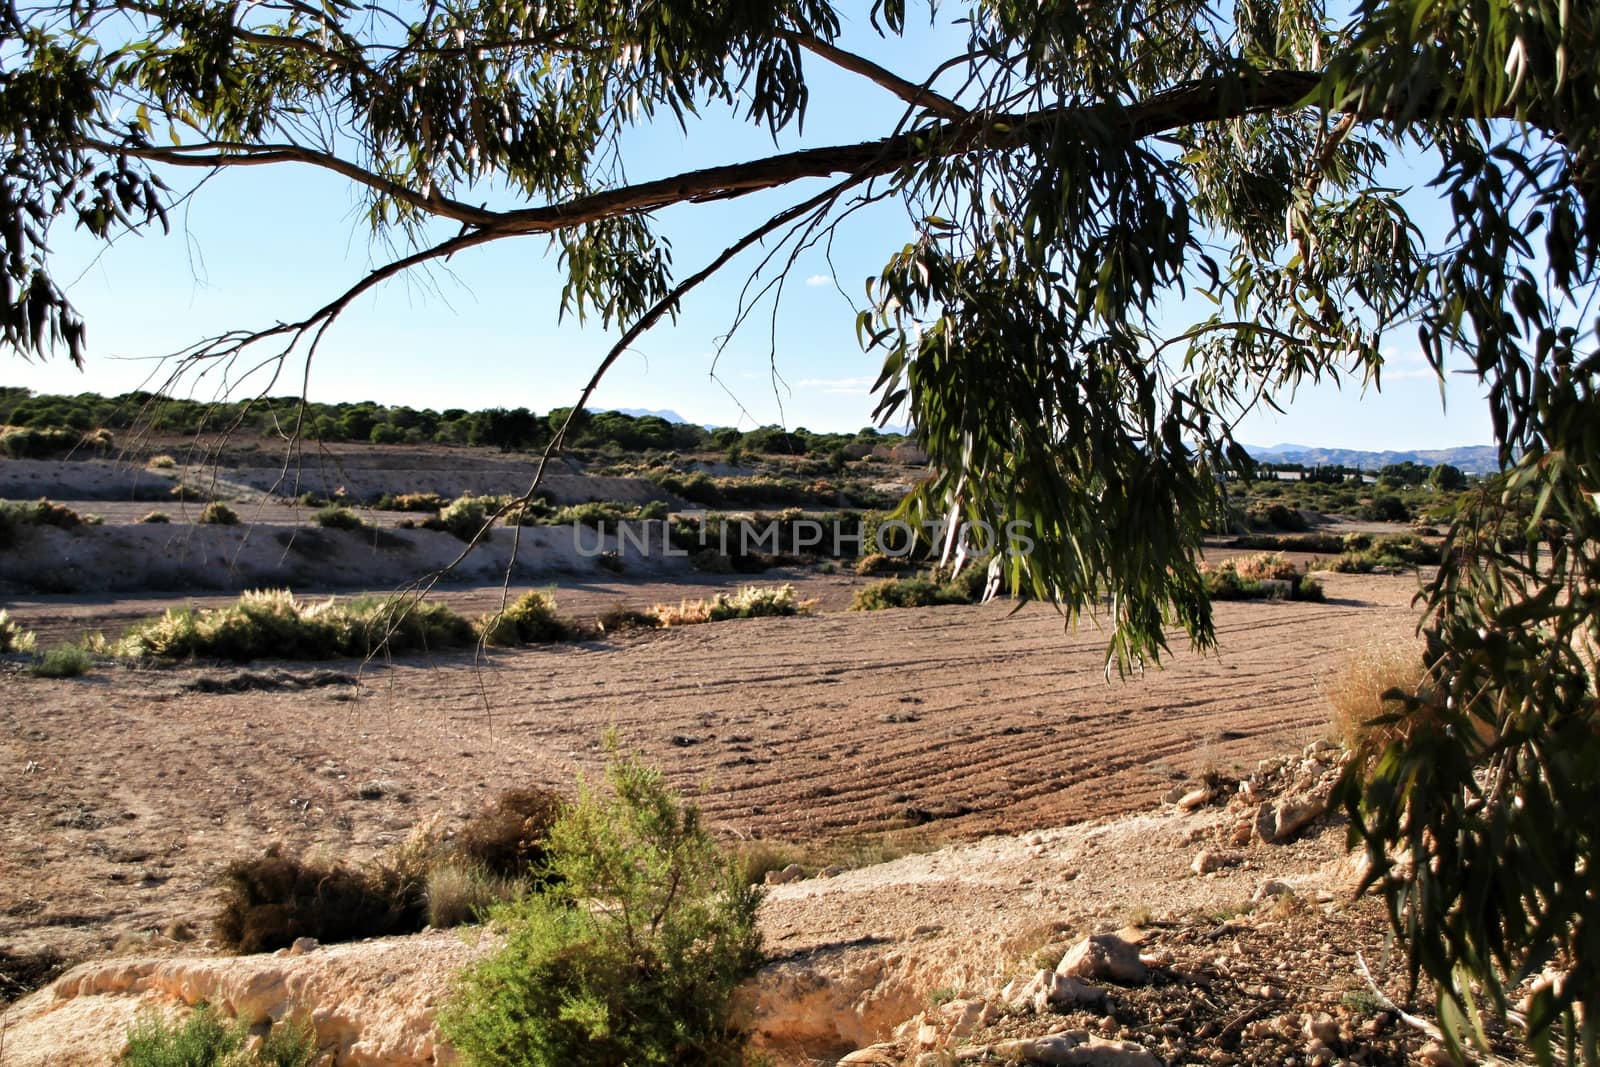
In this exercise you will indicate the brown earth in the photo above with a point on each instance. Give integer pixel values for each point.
(123, 793)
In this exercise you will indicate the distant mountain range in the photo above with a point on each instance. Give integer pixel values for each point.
(1473, 459)
(660, 413)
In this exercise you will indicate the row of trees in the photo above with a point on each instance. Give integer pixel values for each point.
(507, 429)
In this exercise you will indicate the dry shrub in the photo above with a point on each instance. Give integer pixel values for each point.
(1264, 565)
(161, 462)
(686, 613)
(510, 838)
(270, 901)
(751, 602)
(618, 618)
(459, 894)
(13, 638)
(155, 517)
(1356, 692)
(758, 857)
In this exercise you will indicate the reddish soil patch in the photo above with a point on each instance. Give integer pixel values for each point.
(127, 791)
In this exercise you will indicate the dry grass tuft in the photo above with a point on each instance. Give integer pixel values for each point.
(459, 894)
(1356, 692)
(753, 601)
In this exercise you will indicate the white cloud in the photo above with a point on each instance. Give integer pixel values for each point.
(819, 279)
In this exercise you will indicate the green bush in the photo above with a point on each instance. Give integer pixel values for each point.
(273, 624)
(65, 661)
(430, 502)
(906, 593)
(41, 512)
(13, 638)
(875, 563)
(205, 1039)
(634, 954)
(339, 517)
(466, 515)
(217, 513)
(531, 619)
(40, 443)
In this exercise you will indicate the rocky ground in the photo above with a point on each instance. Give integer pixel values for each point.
(1221, 927)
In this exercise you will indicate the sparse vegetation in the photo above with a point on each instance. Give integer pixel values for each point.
(206, 1039)
(217, 513)
(529, 620)
(155, 517)
(64, 661)
(339, 517)
(1365, 718)
(161, 462)
(915, 592)
(633, 956)
(13, 638)
(617, 618)
(510, 838)
(1401, 552)
(273, 624)
(875, 563)
(460, 894)
(1256, 577)
(466, 515)
(753, 601)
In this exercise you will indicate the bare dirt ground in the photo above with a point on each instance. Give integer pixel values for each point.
(124, 793)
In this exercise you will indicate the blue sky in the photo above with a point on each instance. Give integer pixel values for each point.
(262, 244)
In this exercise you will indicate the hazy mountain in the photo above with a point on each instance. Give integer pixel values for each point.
(1474, 459)
(662, 413)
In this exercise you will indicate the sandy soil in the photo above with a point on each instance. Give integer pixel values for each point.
(123, 793)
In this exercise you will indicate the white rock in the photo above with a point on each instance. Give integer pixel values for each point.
(880, 1055)
(303, 945)
(1103, 956)
(1073, 1048)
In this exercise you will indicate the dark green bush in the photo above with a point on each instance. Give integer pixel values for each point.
(339, 517)
(66, 661)
(428, 502)
(618, 618)
(38, 443)
(531, 619)
(217, 513)
(466, 515)
(907, 593)
(632, 957)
